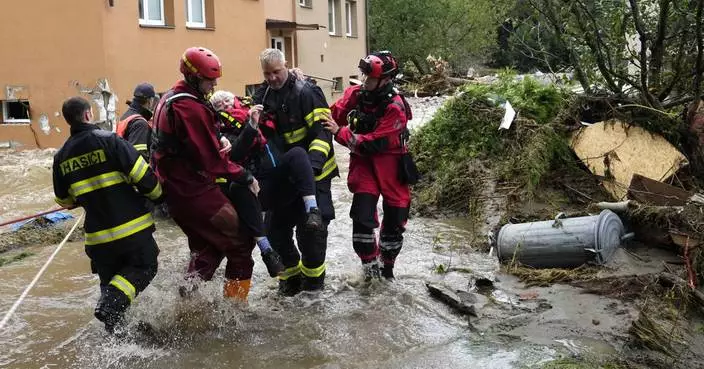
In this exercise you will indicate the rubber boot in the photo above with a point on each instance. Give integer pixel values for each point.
(371, 270)
(387, 271)
(273, 263)
(290, 286)
(111, 310)
(237, 289)
(313, 283)
(314, 220)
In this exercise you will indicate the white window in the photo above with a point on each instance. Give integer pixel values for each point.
(305, 3)
(278, 43)
(195, 13)
(15, 111)
(332, 14)
(348, 11)
(151, 12)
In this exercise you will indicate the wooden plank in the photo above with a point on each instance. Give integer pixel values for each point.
(648, 191)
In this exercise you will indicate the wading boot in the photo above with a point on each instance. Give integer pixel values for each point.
(371, 270)
(290, 286)
(314, 221)
(273, 263)
(237, 289)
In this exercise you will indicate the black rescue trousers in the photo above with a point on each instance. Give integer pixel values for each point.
(305, 265)
(125, 267)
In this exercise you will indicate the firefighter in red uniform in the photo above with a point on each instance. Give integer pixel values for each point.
(295, 110)
(98, 171)
(187, 156)
(373, 119)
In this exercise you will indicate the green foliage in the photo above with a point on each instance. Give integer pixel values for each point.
(454, 29)
(600, 41)
(462, 142)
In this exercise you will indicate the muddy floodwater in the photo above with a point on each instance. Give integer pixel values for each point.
(352, 324)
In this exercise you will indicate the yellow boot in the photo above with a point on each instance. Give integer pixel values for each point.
(237, 289)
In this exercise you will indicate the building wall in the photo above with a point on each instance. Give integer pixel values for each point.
(51, 54)
(330, 56)
(135, 54)
(68, 46)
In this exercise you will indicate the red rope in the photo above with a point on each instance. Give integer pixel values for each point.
(32, 216)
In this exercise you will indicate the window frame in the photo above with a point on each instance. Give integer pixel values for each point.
(332, 27)
(7, 120)
(145, 10)
(305, 3)
(276, 39)
(349, 30)
(189, 7)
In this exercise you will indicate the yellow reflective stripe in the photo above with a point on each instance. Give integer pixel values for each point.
(295, 136)
(320, 145)
(220, 180)
(231, 119)
(121, 231)
(125, 286)
(328, 168)
(290, 272)
(140, 147)
(65, 202)
(95, 183)
(316, 115)
(313, 272)
(138, 170)
(156, 192)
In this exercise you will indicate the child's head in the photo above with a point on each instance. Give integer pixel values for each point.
(222, 100)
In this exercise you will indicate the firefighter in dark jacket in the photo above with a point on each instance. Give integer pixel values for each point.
(297, 109)
(373, 119)
(134, 123)
(188, 156)
(99, 172)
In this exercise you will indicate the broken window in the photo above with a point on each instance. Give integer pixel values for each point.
(306, 3)
(351, 14)
(195, 13)
(15, 111)
(151, 12)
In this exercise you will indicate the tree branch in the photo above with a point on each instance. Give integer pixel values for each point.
(700, 52)
(643, 36)
(657, 49)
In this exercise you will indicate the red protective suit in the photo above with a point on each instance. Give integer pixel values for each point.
(376, 146)
(187, 160)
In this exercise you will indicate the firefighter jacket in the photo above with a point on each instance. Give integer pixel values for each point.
(99, 171)
(297, 111)
(186, 146)
(376, 128)
(134, 127)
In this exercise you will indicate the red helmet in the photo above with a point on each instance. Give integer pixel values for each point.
(379, 65)
(200, 62)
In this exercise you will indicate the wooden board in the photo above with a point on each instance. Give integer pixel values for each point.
(621, 151)
(651, 192)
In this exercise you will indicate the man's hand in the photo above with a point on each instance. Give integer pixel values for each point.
(255, 113)
(331, 126)
(225, 145)
(254, 187)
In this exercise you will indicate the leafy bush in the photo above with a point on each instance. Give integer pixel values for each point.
(465, 130)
